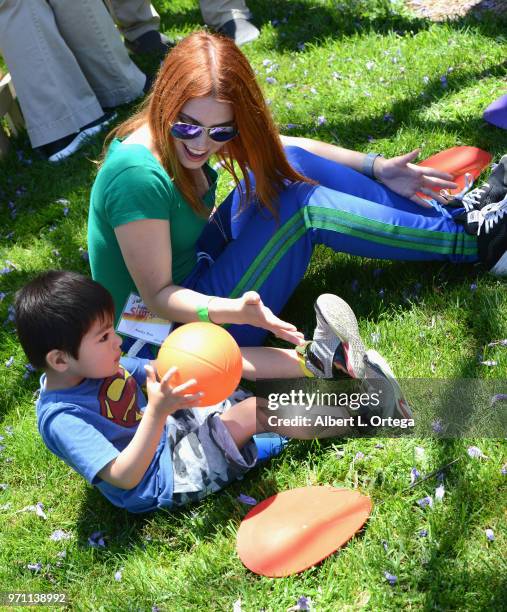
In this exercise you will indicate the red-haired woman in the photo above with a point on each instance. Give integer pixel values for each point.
(152, 229)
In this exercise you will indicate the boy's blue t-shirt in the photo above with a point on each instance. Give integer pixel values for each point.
(89, 425)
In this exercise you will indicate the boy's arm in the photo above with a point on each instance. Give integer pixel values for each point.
(128, 468)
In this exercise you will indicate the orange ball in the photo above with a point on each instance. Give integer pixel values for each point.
(206, 352)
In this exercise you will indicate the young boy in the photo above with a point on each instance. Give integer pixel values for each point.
(143, 454)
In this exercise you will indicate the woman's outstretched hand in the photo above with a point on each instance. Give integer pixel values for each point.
(406, 178)
(249, 310)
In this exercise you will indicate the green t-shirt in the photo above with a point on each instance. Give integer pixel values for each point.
(132, 185)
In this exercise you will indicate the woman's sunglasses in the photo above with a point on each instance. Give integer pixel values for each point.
(188, 131)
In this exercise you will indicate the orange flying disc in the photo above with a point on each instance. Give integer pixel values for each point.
(296, 529)
(459, 161)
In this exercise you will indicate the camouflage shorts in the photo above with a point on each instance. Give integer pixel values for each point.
(205, 457)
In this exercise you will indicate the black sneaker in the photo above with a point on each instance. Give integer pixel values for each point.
(241, 31)
(60, 149)
(490, 192)
(491, 222)
(150, 43)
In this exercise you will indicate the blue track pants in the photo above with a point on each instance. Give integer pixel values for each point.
(347, 211)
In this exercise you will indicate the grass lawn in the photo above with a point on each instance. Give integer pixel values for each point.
(364, 75)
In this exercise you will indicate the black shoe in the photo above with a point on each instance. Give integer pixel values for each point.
(60, 149)
(494, 190)
(150, 43)
(241, 31)
(491, 222)
(148, 83)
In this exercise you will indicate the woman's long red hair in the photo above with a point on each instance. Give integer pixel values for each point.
(201, 65)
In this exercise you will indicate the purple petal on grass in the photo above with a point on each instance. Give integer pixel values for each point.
(59, 535)
(385, 545)
(443, 81)
(475, 453)
(422, 533)
(9, 362)
(62, 554)
(270, 80)
(34, 567)
(381, 293)
(503, 471)
(118, 575)
(29, 368)
(437, 426)
(473, 287)
(289, 85)
(2, 296)
(379, 445)
(39, 510)
(359, 455)
(490, 535)
(499, 397)
(303, 603)
(237, 605)
(425, 501)
(391, 578)
(266, 62)
(84, 254)
(388, 117)
(414, 475)
(439, 493)
(370, 139)
(321, 120)
(96, 540)
(291, 126)
(246, 499)
(301, 46)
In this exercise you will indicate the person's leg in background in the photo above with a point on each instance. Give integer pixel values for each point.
(231, 18)
(58, 102)
(100, 52)
(139, 23)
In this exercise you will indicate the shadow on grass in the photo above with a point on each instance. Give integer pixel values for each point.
(179, 528)
(309, 22)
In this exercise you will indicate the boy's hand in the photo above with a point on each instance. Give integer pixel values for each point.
(162, 397)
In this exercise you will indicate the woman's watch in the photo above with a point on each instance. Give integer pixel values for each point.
(367, 166)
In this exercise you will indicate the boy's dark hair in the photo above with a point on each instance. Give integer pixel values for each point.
(55, 310)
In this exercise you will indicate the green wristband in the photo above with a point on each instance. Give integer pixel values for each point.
(203, 314)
